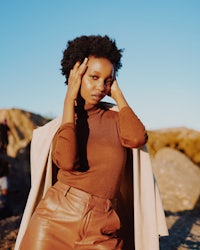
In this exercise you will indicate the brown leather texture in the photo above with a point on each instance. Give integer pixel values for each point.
(68, 218)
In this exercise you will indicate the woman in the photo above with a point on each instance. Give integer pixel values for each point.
(90, 150)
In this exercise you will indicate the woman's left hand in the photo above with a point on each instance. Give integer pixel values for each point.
(117, 95)
(115, 90)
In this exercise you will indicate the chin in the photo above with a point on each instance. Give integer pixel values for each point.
(93, 102)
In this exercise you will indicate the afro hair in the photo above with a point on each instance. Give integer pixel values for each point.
(85, 46)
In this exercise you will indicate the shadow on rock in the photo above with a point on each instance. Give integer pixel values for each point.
(181, 233)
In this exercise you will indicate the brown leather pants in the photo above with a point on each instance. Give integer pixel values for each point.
(68, 218)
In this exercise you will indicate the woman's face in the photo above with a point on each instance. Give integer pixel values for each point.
(97, 80)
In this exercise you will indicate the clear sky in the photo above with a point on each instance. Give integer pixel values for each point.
(161, 62)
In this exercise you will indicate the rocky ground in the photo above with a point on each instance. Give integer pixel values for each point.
(184, 229)
(8, 232)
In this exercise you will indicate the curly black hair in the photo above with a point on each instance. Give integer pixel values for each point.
(85, 46)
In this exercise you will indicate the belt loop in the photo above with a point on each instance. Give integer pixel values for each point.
(67, 190)
(114, 203)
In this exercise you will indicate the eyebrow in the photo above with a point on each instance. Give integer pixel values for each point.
(97, 72)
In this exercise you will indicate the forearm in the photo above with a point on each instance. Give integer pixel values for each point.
(118, 96)
(132, 131)
(68, 110)
(120, 100)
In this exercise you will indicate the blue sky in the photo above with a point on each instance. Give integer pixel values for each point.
(160, 76)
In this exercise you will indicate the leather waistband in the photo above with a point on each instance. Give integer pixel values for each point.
(101, 203)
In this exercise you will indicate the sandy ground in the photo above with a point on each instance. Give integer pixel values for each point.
(184, 229)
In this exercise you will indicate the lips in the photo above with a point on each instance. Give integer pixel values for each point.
(97, 97)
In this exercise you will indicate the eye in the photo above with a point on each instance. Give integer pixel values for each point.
(94, 77)
(108, 82)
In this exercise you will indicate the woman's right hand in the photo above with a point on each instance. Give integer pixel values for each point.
(75, 78)
(74, 84)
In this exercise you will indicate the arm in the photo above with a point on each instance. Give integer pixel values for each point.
(132, 130)
(64, 151)
(74, 84)
(64, 147)
(118, 96)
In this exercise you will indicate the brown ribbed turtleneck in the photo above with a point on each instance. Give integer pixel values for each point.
(91, 155)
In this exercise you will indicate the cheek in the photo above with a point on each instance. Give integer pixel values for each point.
(107, 90)
(85, 87)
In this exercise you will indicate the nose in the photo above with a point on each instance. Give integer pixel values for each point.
(100, 85)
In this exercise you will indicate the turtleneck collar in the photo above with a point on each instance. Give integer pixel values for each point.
(87, 109)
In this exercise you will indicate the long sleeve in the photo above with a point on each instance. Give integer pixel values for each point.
(64, 151)
(132, 132)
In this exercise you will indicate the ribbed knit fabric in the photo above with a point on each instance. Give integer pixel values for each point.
(91, 155)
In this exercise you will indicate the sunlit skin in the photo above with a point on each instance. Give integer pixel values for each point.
(94, 79)
(97, 80)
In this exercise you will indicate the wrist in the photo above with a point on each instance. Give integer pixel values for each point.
(69, 101)
(120, 100)
(68, 110)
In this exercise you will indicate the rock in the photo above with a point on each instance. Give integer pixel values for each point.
(178, 179)
(183, 139)
(21, 124)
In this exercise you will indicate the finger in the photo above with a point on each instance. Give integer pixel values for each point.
(74, 69)
(78, 67)
(83, 66)
(77, 72)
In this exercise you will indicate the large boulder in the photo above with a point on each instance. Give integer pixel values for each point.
(183, 139)
(178, 179)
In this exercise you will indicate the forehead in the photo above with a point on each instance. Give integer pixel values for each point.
(100, 65)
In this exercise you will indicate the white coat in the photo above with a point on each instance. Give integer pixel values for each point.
(149, 218)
